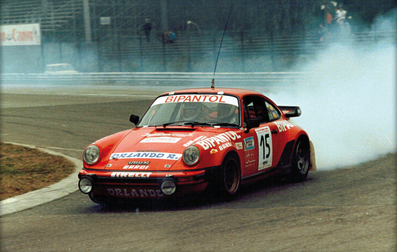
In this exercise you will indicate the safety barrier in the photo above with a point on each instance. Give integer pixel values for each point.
(151, 78)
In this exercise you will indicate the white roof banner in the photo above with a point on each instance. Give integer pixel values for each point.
(20, 34)
(212, 98)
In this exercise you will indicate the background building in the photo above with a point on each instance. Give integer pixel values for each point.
(106, 35)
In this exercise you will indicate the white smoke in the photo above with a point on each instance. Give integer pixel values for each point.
(349, 101)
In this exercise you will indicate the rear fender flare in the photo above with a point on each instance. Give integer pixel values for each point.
(313, 166)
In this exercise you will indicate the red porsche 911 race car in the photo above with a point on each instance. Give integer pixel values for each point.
(199, 139)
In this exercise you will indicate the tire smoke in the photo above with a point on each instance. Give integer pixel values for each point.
(348, 101)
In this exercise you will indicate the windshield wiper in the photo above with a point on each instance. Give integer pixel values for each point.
(198, 123)
(187, 123)
(195, 123)
(169, 123)
(225, 124)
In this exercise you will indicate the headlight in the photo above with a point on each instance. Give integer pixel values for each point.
(85, 185)
(191, 155)
(91, 154)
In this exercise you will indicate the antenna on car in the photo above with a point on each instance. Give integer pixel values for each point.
(220, 46)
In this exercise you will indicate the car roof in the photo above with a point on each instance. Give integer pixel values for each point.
(233, 91)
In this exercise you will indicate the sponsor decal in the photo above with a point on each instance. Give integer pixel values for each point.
(193, 141)
(152, 155)
(138, 163)
(225, 145)
(218, 139)
(130, 174)
(250, 159)
(135, 167)
(213, 151)
(249, 143)
(161, 140)
(283, 125)
(167, 135)
(239, 146)
(130, 192)
(167, 166)
(197, 98)
(109, 165)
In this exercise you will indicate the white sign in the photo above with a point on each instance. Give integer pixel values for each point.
(20, 35)
(105, 20)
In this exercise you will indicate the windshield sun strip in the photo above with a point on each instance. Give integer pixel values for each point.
(196, 123)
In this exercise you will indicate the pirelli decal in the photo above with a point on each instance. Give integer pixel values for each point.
(130, 174)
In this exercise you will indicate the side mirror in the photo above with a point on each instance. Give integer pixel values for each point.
(134, 119)
(251, 123)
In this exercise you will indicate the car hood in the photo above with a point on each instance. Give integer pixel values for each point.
(160, 148)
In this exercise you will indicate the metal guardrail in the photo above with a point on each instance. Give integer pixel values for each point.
(151, 78)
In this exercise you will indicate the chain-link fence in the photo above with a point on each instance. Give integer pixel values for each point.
(261, 36)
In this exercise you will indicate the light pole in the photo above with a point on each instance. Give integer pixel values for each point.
(193, 23)
(189, 22)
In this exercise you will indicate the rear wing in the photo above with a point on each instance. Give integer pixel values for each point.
(291, 111)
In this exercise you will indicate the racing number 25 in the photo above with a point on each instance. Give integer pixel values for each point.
(265, 150)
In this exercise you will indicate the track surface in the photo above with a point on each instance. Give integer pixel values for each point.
(351, 209)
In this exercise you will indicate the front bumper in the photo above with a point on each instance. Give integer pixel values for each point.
(120, 184)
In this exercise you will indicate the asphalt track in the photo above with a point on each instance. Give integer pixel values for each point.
(342, 210)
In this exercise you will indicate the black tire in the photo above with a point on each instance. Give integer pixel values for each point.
(101, 200)
(300, 160)
(229, 178)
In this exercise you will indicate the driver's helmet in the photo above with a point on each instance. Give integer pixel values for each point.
(226, 112)
(190, 111)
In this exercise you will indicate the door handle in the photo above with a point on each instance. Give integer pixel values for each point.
(274, 131)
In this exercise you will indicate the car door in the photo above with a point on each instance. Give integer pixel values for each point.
(260, 143)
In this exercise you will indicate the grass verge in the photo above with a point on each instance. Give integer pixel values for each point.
(24, 169)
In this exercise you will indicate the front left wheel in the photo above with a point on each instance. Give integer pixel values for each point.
(230, 176)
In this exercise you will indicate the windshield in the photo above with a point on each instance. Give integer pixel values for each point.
(193, 109)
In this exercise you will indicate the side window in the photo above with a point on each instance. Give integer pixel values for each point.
(272, 112)
(255, 108)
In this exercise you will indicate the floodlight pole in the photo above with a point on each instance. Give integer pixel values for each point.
(87, 21)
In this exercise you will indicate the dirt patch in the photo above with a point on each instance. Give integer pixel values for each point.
(25, 169)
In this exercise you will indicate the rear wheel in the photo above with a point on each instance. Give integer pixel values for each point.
(300, 160)
(230, 178)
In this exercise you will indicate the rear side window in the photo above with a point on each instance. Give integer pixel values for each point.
(272, 112)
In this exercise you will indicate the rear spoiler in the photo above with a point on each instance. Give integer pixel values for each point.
(291, 111)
